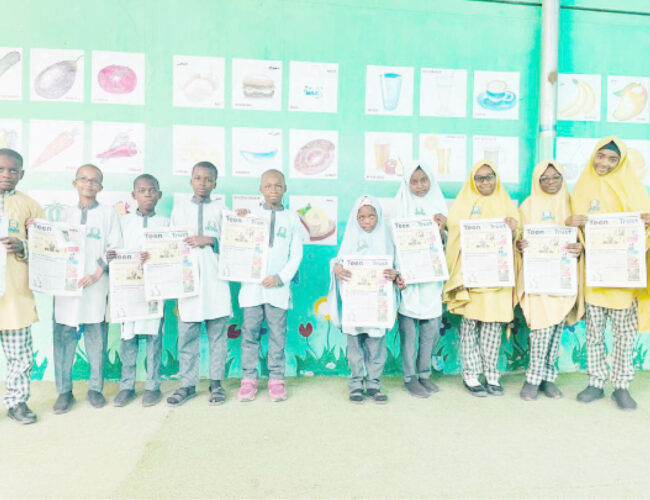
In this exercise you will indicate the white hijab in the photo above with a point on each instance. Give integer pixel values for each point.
(410, 205)
(356, 241)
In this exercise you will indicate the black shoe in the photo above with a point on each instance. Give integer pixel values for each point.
(63, 403)
(623, 399)
(22, 414)
(494, 389)
(428, 384)
(124, 397)
(476, 390)
(551, 390)
(96, 399)
(414, 388)
(529, 392)
(151, 398)
(217, 393)
(356, 396)
(590, 394)
(377, 396)
(181, 396)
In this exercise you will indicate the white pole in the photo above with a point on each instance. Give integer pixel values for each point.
(548, 80)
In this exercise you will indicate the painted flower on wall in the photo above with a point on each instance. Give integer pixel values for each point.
(233, 332)
(306, 330)
(321, 308)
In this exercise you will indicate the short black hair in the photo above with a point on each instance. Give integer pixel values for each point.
(147, 177)
(12, 154)
(209, 165)
(101, 174)
(274, 171)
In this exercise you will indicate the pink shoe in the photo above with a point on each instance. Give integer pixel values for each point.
(277, 392)
(247, 390)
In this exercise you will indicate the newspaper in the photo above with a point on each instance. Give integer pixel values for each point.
(243, 248)
(419, 250)
(486, 253)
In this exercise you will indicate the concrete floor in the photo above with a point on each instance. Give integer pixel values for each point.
(317, 444)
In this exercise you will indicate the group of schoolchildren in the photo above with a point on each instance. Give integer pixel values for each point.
(608, 184)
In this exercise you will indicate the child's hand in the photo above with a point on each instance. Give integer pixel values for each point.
(242, 212)
(342, 273)
(576, 220)
(110, 255)
(574, 249)
(400, 282)
(390, 274)
(12, 244)
(91, 279)
(143, 257)
(270, 282)
(199, 241)
(29, 222)
(512, 223)
(645, 218)
(441, 220)
(521, 245)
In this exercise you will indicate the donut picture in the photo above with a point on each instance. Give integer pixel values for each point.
(315, 157)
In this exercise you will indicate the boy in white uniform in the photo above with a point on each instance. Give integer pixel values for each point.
(212, 305)
(86, 315)
(146, 192)
(271, 299)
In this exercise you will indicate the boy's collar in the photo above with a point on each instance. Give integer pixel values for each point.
(9, 191)
(94, 204)
(266, 206)
(198, 201)
(151, 214)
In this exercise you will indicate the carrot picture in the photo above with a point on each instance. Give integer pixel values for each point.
(59, 144)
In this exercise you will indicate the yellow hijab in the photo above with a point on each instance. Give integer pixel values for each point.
(490, 305)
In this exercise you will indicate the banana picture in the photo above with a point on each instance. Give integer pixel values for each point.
(584, 102)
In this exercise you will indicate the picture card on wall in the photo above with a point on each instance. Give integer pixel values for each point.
(255, 150)
(57, 75)
(627, 99)
(313, 154)
(496, 95)
(318, 215)
(443, 92)
(638, 155)
(11, 73)
(121, 201)
(389, 90)
(118, 77)
(199, 82)
(11, 134)
(313, 86)
(56, 145)
(502, 151)
(195, 143)
(573, 153)
(118, 147)
(247, 201)
(54, 201)
(578, 97)
(446, 154)
(385, 152)
(257, 84)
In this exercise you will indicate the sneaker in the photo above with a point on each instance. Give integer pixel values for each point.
(529, 392)
(356, 396)
(247, 390)
(277, 392)
(428, 384)
(217, 393)
(124, 397)
(551, 390)
(494, 389)
(181, 396)
(63, 403)
(22, 414)
(590, 394)
(476, 390)
(96, 399)
(377, 396)
(414, 388)
(623, 399)
(151, 398)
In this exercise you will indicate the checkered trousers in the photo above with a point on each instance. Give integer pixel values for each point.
(544, 348)
(480, 343)
(17, 346)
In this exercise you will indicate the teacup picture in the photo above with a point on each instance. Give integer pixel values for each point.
(496, 90)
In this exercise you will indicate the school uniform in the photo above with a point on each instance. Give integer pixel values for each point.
(286, 237)
(17, 307)
(86, 315)
(212, 305)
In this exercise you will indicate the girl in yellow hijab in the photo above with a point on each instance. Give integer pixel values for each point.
(484, 310)
(545, 315)
(608, 184)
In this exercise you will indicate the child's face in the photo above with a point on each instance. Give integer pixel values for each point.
(203, 181)
(419, 183)
(605, 161)
(10, 173)
(88, 182)
(367, 218)
(550, 180)
(146, 195)
(485, 180)
(272, 187)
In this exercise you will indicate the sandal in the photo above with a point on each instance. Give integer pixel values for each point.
(217, 393)
(377, 396)
(181, 396)
(356, 396)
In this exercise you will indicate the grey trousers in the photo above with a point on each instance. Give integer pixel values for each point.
(129, 355)
(189, 349)
(276, 320)
(368, 351)
(95, 337)
(416, 356)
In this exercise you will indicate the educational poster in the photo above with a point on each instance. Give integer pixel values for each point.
(313, 154)
(199, 82)
(313, 86)
(503, 151)
(638, 155)
(54, 201)
(389, 207)
(389, 90)
(419, 250)
(496, 95)
(443, 92)
(243, 248)
(318, 215)
(11, 73)
(446, 154)
(180, 197)
(573, 153)
(256, 84)
(247, 201)
(118, 147)
(195, 143)
(121, 201)
(578, 97)
(11, 134)
(118, 78)
(56, 145)
(384, 154)
(627, 99)
(255, 150)
(56, 75)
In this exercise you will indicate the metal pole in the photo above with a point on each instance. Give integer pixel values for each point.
(548, 80)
